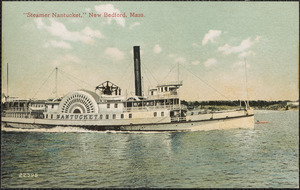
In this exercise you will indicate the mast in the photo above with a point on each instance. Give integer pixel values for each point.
(7, 80)
(178, 72)
(56, 82)
(247, 104)
(143, 86)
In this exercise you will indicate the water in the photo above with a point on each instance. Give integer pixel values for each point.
(267, 156)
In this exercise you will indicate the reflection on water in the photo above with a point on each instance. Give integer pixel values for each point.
(264, 157)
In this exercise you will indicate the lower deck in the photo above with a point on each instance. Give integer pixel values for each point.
(207, 122)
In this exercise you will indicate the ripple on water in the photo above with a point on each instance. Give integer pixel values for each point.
(265, 157)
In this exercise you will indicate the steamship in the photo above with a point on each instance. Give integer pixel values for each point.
(106, 109)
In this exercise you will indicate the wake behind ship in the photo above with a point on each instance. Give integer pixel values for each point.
(107, 109)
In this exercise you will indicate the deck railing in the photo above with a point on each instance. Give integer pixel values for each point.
(163, 96)
(22, 110)
(147, 108)
(177, 119)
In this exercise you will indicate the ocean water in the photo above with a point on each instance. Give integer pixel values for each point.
(267, 156)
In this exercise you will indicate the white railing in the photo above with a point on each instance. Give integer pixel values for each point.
(147, 108)
(17, 109)
(171, 83)
(173, 119)
(162, 96)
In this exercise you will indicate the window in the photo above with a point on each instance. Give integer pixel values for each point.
(52, 105)
(116, 105)
(162, 114)
(122, 116)
(108, 105)
(166, 88)
(101, 116)
(107, 116)
(46, 116)
(130, 115)
(51, 116)
(155, 114)
(192, 113)
(114, 116)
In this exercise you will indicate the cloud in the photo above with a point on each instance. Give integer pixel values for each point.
(176, 58)
(245, 45)
(246, 54)
(109, 8)
(257, 39)
(133, 25)
(157, 49)
(88, 32)
(240, 64)
(195, 62)
(227, 49)
(57, 44)
(114, 53)
(58, 29)
(68, 58)
(210, 36)
(210, 62)
(39, 23)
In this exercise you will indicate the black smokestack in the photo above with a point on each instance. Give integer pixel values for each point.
(137, 71)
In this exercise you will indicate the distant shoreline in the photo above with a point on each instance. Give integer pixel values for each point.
(256, 105)
(290, 109)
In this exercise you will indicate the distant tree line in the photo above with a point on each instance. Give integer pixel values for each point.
(253, 103)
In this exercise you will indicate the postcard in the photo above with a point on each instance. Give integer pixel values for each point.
(107, 94)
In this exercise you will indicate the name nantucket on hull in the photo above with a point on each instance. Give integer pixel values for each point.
(107, 109)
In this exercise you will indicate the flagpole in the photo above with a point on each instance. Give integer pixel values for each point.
(7, 81)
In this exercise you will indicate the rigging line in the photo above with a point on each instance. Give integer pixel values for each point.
(168, 73)
(130, 82)
(127, 68)
(43, 84)
(71, 80)
(75, 78)
(56, 72)
(246, 81)
(70, 77)
(148, 81)
(148, 78)
(208, 84)
(150, 72)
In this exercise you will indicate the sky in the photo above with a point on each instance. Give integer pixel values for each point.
(220, 50)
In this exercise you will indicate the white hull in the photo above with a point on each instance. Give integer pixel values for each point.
(246, 122)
